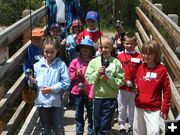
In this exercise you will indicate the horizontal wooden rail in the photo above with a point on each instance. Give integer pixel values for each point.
(11, 96)
(15, 120)
(175, 95)
(143, 33)
(11, 33)
(171, 58)
(139, 41)
(172, 28)
(31, 124)
(14, 61)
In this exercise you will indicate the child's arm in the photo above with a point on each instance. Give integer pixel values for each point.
(166, 97)
(92, 74)
(118, 79)
(64, 82)
(73, 70)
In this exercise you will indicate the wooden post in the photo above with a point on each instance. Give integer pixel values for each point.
(4, 53)
(174, 18)
(27, 33)
(155, 22)
(44, 19)
(159, 6)
(169, 38)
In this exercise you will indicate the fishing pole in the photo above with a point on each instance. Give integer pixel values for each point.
(46, 18)
(104, 62)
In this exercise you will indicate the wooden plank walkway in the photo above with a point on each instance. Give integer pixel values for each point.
(31, 125)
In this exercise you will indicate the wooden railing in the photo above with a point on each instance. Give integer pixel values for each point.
(8, 101)
(146, 11)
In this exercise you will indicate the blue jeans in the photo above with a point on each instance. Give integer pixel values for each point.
(51, 118)
(80, 102)
(103, 113)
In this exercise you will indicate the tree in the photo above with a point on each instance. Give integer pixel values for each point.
(11, 10)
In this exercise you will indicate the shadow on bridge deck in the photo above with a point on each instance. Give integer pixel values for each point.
(32, 124)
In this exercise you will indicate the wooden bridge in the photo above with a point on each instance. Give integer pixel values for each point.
(15, 115)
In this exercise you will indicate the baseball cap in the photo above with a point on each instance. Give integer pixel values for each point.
(37, 32)
(92, 15)
(54, 25)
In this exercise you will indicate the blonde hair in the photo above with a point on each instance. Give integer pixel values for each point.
(152, 47)
(104, 39)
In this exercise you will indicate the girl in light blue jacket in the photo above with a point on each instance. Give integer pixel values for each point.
(51, 80)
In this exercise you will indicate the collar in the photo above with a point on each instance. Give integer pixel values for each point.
(44, 62)
(131, 52)
(95, 30)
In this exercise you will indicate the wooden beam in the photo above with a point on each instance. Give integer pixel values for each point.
(14, 61)
(7, 101)
(139, 41)
(11, 33)
(142, 32)
(15, 120)
(172, 28)
(175, 95)
(171, 58)
(30, 122)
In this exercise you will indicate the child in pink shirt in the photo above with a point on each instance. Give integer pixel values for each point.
(82, 91)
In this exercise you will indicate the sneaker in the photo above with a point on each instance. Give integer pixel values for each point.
(122, 132)
(130, 131)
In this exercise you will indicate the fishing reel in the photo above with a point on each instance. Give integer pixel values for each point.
(29, 72)
(129, 84)
(81, 86)
(105, 62)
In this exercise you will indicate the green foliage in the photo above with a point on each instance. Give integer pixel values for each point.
(109, 11)
(11, 10)
(170, 6)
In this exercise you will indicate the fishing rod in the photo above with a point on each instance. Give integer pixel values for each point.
(30, 20)
(104, 62)
(46, 18)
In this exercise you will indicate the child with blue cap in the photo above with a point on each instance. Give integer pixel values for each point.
(92, 31)
(81, 89)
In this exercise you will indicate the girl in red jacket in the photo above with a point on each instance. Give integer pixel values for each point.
(152, 82)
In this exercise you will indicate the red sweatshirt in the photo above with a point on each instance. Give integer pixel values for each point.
(151, 83)
(86, 34)
(130, 63)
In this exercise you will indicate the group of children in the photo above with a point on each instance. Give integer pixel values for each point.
(135, 80)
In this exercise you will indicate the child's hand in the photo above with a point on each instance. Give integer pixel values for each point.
(104, 77)
(119, 41)
(63, 42)
(32, 80)
(163, 115)
(46, 90)
(79, 73)
(101, 70)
